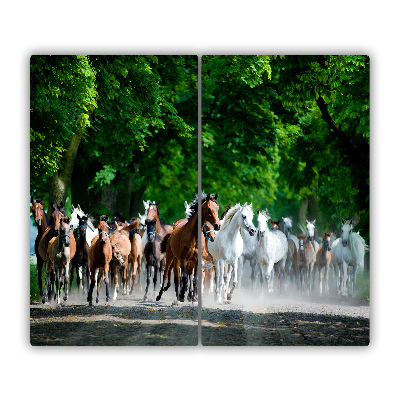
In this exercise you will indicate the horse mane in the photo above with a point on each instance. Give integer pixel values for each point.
(229, 215)
(163, 244)
(351, 242)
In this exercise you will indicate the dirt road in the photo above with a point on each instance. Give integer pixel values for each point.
(274, 320)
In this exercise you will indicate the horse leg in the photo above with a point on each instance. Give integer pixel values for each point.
(39, 265)
(194, 297)
(99, 278)
(147, 281)
(184, 282)
(235, 280)
(268, 272)
(115, 271)
(92, 283)
(240, 271)
(106, 281)
(156, 269)
(219, 285)
(46, 283)
(66, 281)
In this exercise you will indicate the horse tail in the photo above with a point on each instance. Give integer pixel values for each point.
(163, 245)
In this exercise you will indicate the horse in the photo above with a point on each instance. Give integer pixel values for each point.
(136, 253)
(323, 261)
(348, 251)
(305, 262)
(207, 262)
(57, 212)
(153, 254)
(58, 257)
(311, 237)
(272, 247)
(80, 261)
(92, 232)
(228, 246)
(291, 260)
(286, 228)
(182, 244)
(121, 250)
(100, 254)
(153, 212)
(42, 223)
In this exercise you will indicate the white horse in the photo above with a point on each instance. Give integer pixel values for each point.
(272, 248)
(287, 230)
(249, 254)
(92, 232)
(348, 251)
(228, 246)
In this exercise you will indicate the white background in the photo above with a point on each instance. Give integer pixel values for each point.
(206, 27)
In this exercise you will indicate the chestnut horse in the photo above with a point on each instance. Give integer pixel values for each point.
(80, 261)
(135, 256)
(100, 254)
(323, 261)
(182, 244)
(42, 222)
(58, 257)
(121, 249)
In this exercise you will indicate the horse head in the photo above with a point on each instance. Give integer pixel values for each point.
(102, 226)
(346, 231)
(64, 230)
(57, 212)
(152, 210)
(246, 221)
(262, 220)
(208, 231)
(302, 241)
(37, 210)
(151, 230)
(209, 210)
(275, 225)
(327, 241)
(310, 229)
(82, 225)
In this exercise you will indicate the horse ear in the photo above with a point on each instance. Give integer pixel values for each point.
(343, 221)
(351, 224)
(216, 196)
(313, 222)
(61, 204)
(72, 208)
(53, 207)
(158, 203)
(32, 201)
(208, 197)
(258, 211)
(307, 221)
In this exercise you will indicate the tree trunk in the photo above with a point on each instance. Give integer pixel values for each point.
(303, 211)
(314, 208)
(59, 184)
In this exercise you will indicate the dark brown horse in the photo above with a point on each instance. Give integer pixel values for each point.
(100, 254)
(182, 244)
(80, 261)
(42, 223)
(58, 258)
(153, 212)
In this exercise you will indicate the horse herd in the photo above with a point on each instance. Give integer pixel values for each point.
(117, 247)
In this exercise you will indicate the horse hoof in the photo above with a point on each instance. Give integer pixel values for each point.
(65, 298)
(229, 297)
(43, 300)
(90, 303)
(97, 300)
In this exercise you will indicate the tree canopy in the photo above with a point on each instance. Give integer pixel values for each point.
(290, 133)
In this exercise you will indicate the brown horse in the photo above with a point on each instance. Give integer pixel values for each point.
(100, 254)
(121, 249)
(305, 262)
(52, 231)
(80, 261)
(135, 257)
(323, 261)
(42, 223)
(153, 212)
(182, 244)
(58, 257)
(208, 267)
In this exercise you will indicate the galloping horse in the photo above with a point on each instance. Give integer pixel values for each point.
(305, 262)
(272, 247)
(182, 244)
(153, 254)
(121, 249)
(153, 212)
(78, 212)
(323, 261)
(58, 256)
(52, 231)
(228, 246)
(80, 261)
(100, 254)
(42, 222)
(136, 254)
(348, 251)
